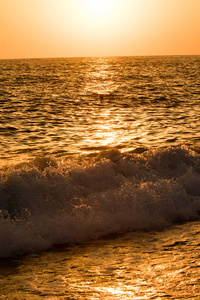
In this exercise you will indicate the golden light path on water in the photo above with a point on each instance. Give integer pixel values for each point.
(109, 128)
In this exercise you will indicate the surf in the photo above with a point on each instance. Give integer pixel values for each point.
(51, 201)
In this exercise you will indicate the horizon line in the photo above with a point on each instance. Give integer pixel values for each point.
(96, 56)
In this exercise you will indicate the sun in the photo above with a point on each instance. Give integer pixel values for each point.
(97, 18)
(94, 23)
(98, 7)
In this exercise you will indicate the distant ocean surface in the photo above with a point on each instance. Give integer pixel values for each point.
(100, 178)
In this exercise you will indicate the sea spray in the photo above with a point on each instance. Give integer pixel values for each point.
(50, 201)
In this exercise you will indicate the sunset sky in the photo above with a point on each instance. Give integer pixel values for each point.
(63, 28)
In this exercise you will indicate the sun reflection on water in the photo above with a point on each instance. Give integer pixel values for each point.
(100, 79)
(116, 292)
(106, 134)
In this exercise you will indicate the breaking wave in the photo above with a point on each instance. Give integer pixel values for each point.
(49, 201)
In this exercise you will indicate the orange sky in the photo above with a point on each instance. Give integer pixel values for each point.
(61, 28)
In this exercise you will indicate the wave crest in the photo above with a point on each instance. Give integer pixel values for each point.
(48, 201)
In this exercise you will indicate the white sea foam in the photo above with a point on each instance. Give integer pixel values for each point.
(50, 202)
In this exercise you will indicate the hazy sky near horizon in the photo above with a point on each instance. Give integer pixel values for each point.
(62, 28)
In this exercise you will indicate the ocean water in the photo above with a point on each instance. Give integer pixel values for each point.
(100, 178)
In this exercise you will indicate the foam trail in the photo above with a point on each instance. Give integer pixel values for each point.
(51, 202)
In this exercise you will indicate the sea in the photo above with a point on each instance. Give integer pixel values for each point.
(100, 178)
